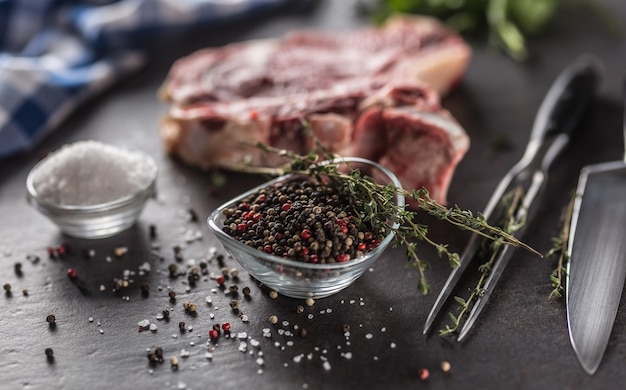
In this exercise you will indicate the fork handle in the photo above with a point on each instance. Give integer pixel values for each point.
(567, 99)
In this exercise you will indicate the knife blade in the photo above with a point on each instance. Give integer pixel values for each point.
(597, 267)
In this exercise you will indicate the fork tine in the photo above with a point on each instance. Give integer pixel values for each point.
(494, 276)
(470, 249)
(453, 278)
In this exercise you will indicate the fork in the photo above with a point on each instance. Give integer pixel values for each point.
(557, 117)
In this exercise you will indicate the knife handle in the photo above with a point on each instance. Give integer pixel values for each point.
(567, 99)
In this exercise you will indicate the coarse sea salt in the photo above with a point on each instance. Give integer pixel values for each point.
(87, 173)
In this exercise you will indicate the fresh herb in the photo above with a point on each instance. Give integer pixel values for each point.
(380, 210)
(511, 203)
(508, 22)
(559, 252)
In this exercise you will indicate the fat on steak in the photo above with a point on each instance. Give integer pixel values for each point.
(372, 93)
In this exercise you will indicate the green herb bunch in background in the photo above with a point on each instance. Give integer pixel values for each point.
(508, 22)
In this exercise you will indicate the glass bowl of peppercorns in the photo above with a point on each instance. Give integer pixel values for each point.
(303, 237)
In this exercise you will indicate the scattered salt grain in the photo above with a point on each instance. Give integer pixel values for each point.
(87, 173)
(326, 366)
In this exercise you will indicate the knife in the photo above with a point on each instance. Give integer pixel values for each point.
(597, 253)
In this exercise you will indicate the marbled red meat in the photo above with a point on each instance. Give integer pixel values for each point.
(371, 93)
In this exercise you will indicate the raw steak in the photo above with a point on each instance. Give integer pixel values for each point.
(372, 93)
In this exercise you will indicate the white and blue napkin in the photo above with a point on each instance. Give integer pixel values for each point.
(55, 54)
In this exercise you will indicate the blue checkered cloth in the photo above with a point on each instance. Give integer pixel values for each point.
(55, 54)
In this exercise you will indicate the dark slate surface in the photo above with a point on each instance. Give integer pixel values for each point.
(520, 341)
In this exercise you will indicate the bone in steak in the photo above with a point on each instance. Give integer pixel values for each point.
(371, 93)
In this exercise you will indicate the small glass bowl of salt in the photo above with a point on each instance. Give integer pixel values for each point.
(92, 190)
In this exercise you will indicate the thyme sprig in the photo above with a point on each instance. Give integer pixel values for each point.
(559, 252)
(511, 202)
(380, 211)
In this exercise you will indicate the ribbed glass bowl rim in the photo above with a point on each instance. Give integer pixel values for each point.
(298, 264)
(96, 208)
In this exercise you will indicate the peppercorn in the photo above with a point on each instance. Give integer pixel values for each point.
(51, 319)
(174, 363)
(18, 268)
(49, 354)
(273, 294)
(181, 326)
(346, 328)
(190, 307)
(172, 295)
(445, 366)
(302, 333)
(193, 216)
(234, 304)
(173, 269)
(273, 319)
(246, 292)
(61, 249)
(153, 232)
(310, 301)
(7, 288)
(152, 358)
(300, 309)
(233, 289)
(120, 251)
(145, 290)
(166, 314)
